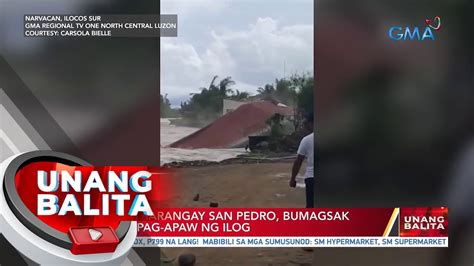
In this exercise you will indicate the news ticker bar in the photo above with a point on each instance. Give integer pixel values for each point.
(295, 227)
(296, 222)
(276, 242)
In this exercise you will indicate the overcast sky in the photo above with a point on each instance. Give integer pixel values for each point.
(250, 40)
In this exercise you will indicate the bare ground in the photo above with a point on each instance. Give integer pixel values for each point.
(266, 185)
(241, 185)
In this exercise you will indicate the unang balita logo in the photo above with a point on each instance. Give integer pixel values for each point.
(416, 222)
(401, 33)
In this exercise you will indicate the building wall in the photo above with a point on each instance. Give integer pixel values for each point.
(230, 105)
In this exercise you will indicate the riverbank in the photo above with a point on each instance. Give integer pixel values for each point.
(249, 158)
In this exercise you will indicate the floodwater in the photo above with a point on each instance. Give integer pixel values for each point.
(171, 133)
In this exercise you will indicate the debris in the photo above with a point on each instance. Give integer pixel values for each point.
(196, 198)
(274, 158)
(213, 204)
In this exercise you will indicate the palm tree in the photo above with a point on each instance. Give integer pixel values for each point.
(211, 85)
(224, 86)
(240, 95)
(267, 90)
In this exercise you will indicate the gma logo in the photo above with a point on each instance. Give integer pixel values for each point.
(398, 33)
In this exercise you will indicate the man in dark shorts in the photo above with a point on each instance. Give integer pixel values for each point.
(306, 151)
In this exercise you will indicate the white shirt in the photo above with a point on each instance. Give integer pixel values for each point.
(306, 149)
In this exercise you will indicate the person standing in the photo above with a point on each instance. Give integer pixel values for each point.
(306, 152)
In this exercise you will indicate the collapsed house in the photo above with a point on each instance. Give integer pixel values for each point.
(233, 128)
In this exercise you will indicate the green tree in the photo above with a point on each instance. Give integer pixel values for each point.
(225, 86)
(267, 90)
(305, 94)
(165, 107)
(206, 106)
(284, 91)
(239, 95)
